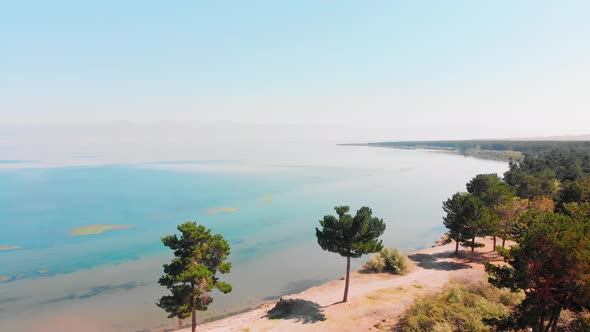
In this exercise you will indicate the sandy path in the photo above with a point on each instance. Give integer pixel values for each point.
(375, 301)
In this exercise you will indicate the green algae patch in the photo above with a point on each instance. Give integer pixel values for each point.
(222, 210)
(96, 229)
(9, 247)
(266, 199)
(4, 278)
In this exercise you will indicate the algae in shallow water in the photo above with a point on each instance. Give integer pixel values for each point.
(266, 199)
(9, 247)
(96, 229)
(222, 209)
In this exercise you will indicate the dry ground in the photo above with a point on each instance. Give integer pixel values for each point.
(375, 301)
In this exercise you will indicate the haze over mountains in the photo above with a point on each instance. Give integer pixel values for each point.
(127, 142)
(178, 131)
(132, 142)
(558, 138)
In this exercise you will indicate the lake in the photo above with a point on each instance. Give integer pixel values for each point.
(267, 208)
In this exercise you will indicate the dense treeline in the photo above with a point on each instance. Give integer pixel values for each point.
(562, 164)
(532, 148)
(542, 204)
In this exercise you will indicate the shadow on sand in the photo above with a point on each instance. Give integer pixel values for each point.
(434, 262)
(301, 311)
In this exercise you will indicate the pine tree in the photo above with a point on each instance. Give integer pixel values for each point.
(467, 218)
(350, 237)
(192, 274)
(493, 192)
(453, 221)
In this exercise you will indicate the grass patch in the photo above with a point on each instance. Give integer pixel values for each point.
(222, 210)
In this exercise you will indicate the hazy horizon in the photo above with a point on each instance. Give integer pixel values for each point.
(452, 70)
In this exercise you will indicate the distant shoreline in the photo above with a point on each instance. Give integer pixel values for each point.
(476, 153)
(500, 150)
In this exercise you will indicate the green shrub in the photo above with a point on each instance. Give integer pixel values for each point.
(460, 307)
(388, 260)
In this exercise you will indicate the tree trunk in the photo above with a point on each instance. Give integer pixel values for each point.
(494, 249)
(347, 279)
(194, 322)
(472, 245)
(549, 323)
(552, 318)
(194, 308)
(555, 320)
(540, 324)
(504, 241)
(456, 247)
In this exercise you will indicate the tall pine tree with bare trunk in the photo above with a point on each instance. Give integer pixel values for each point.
(351, 237)
(192, 274)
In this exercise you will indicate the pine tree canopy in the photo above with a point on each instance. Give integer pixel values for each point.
(351, 236)
(192, 274)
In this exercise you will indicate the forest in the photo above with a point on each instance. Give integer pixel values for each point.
(539, 211)
(530, 148)
(504, 150)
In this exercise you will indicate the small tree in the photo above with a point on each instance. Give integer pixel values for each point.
(467, 218)
(489, 188)
(493, 192)
(508, 213)
(453, 221)
(198, 256)
(350, 237)
(478, 222)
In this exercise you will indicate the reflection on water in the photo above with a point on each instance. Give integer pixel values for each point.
(107, 281)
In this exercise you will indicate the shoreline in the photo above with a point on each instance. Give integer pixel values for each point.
(376, 300)
(484, 154)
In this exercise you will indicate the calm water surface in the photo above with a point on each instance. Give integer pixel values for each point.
(107, 281)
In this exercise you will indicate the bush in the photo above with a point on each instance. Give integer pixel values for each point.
(574, 322)
(460, 307)
(388, 260)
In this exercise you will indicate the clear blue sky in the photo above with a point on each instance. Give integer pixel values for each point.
(468, 65)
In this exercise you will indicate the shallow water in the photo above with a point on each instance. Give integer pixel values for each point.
(267, 210)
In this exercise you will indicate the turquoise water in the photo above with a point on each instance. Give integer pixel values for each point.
(108, 280)
(40, 207)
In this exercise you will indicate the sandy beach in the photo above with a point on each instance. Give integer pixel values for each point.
(375, 301)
